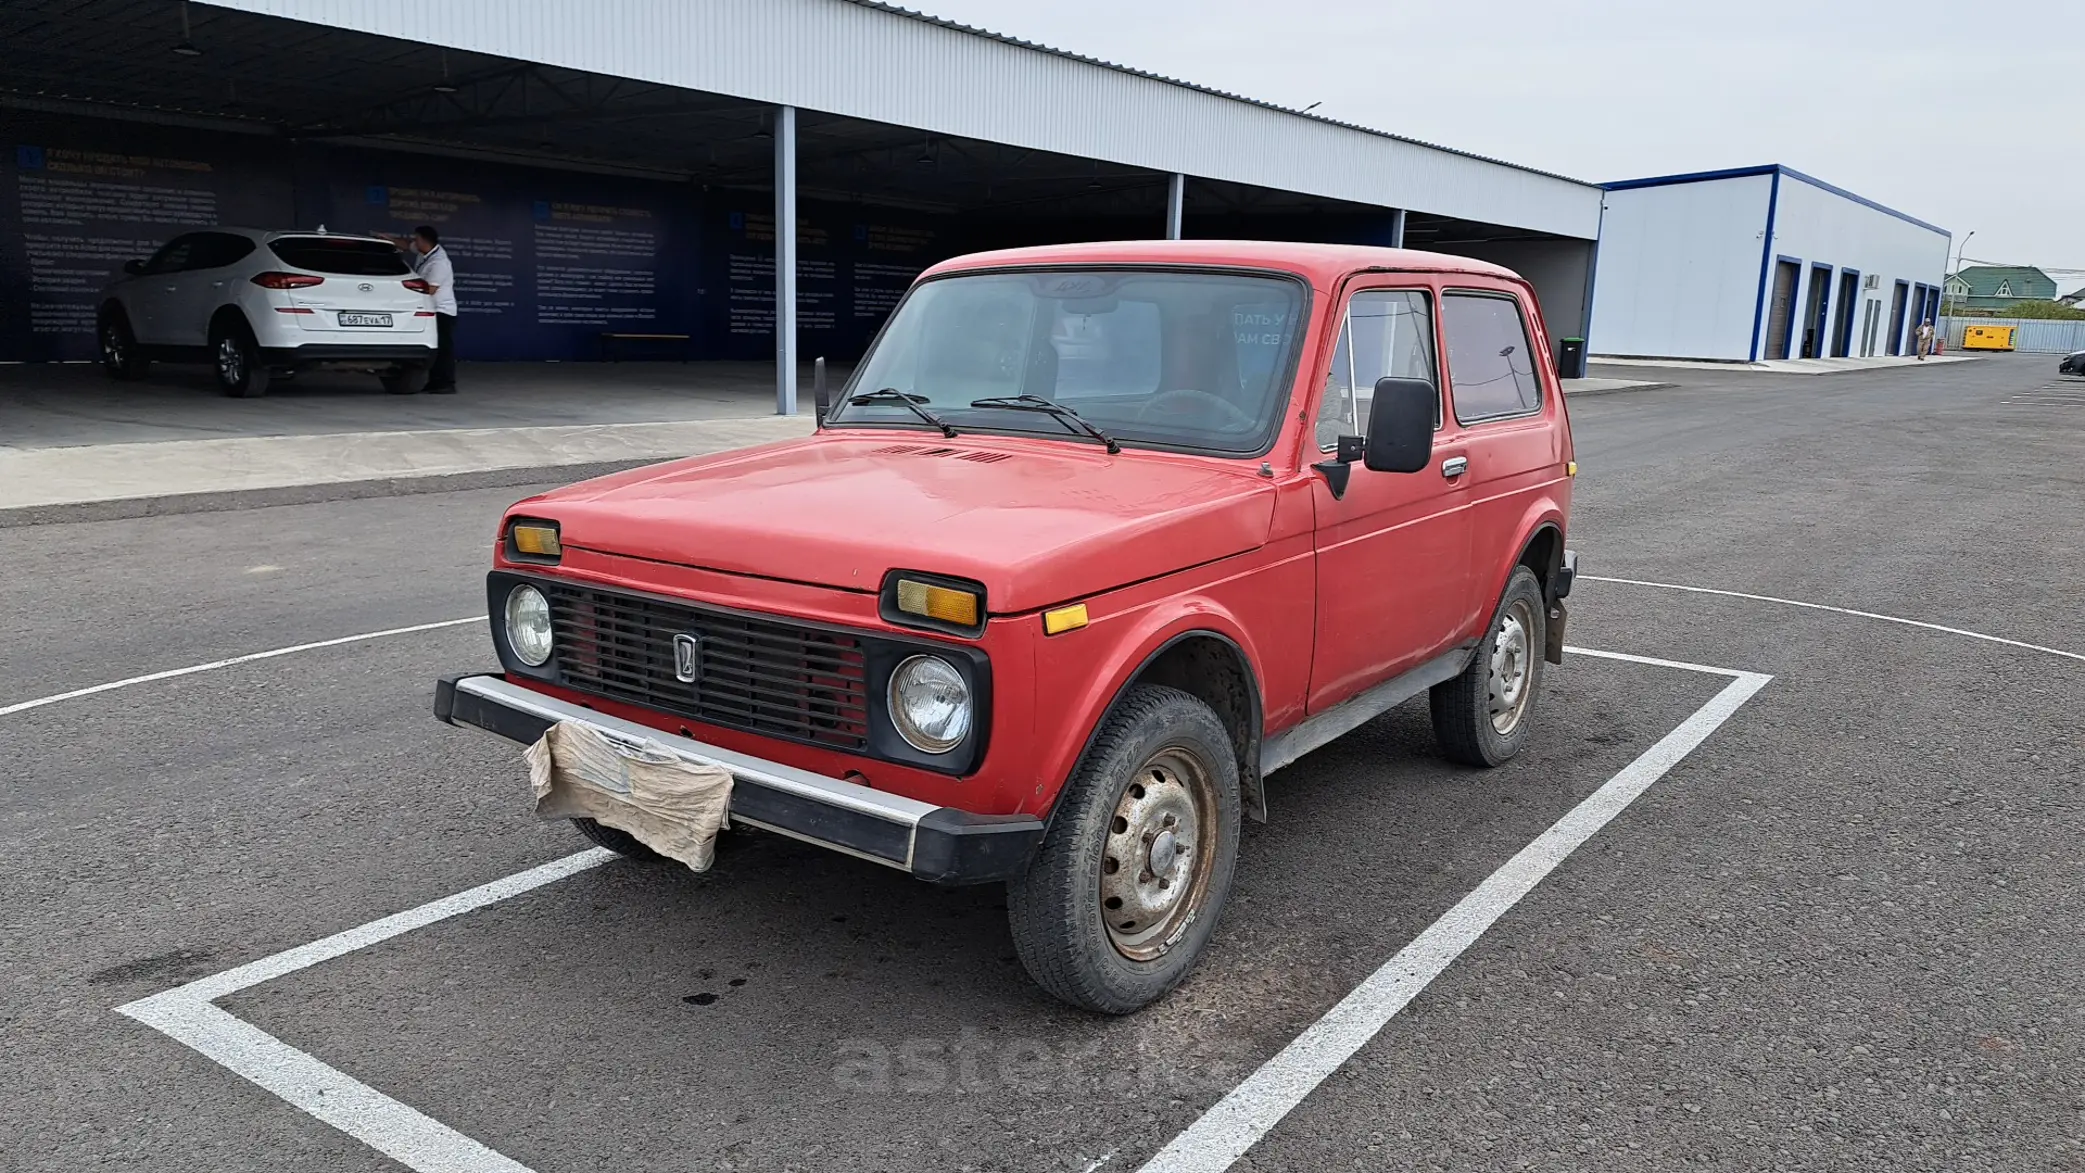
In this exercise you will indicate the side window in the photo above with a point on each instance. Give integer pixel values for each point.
(1491, 367)
(173, 257)
(214, 250)
(1388, 333)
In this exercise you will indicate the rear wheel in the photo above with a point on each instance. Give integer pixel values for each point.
(407, 380)
(1481, 717)
(237, 361)
(1131, 880)
(119, 348)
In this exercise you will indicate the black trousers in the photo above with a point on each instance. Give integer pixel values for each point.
(442, 375)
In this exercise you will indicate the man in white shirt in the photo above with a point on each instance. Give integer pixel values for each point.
(430, 260)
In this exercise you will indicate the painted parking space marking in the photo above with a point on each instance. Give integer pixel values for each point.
(188, 1013)
(1249, 1111)
(1920, 623)
(248, 658)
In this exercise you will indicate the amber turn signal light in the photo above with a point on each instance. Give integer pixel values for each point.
(1064, 619)
(536, 539)
(944, 604)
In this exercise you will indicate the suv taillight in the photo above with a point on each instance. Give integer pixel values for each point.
(418, 286)
(279, 280)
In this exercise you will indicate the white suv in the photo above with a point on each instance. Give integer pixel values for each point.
(256, 302)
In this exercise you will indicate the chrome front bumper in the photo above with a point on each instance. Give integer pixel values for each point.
(939, 844)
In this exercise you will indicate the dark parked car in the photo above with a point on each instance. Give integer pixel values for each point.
(2072, 364)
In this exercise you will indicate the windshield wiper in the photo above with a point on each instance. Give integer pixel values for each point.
(893, 395)
(1050, 407)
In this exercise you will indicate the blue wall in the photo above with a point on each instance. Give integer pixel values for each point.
(546, 260)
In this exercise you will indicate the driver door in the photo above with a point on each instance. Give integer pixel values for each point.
(1392, 552)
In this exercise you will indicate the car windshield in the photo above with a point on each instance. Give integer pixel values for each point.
(340, 256)
(1178, 358)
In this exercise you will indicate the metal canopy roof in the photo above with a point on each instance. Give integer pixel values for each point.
(876, 64)
(301, 82)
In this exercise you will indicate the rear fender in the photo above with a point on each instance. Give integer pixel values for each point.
(229, 320)
(1546, 511)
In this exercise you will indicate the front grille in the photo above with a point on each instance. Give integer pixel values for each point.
(758, 675)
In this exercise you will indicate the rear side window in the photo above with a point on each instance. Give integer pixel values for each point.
(215, 250)
(173, 256)
(341, 256)
(1491, 366)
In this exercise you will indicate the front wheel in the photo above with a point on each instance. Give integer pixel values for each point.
(617, 840)
(120, 356)
(1481, 717)
(1131, 879)
(240, 372)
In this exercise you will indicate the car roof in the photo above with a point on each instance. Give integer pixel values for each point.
(1322, 264)
(264, 235)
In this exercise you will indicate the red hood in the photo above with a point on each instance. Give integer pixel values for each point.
(1038, 522)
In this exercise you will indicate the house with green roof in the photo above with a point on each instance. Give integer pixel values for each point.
(1996, 287)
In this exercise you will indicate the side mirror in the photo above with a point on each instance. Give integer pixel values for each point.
(133, 267)
(1400, 426)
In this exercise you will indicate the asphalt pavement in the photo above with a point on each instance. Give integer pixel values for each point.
(1843, 933)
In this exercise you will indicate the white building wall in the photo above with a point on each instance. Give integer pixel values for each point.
(1822, 227)
(871, 62)
(1678, 270)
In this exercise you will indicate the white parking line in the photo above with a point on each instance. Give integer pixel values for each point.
(1996, 639)
(250, 657)
(415, 1140)
(1252, 1109)
(188, 1014)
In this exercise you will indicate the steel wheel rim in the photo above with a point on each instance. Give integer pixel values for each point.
(231, 362)
(1159, 852)
(111, 346)
(1511, 672)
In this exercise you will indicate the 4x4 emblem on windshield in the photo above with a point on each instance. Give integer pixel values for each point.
(687, 658)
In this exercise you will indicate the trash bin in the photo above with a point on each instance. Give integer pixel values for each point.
(1571, 358)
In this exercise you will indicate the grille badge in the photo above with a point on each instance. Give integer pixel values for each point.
(687, 658)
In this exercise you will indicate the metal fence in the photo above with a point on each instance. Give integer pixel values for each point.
(2036, 335)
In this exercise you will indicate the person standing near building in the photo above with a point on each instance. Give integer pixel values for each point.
(430, 260)
(1925, 339)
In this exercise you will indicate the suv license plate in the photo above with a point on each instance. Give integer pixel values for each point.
(348, 319)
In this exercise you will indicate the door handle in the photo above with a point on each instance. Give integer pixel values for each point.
(1455, 466)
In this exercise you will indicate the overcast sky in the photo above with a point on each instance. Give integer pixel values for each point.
(1849, 91)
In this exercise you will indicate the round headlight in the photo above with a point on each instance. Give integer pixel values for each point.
(930, 704)
(528, 625)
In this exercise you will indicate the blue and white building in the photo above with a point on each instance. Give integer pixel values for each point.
(1759, 263)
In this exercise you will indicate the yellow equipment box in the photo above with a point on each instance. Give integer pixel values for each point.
(1988, 338)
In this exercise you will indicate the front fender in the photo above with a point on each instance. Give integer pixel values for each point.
(1092, 667)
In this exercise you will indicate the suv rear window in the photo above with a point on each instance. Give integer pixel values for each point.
(340, 256)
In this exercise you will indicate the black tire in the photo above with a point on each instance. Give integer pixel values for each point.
(119, 348)
(621, 842)
(1467, 711)
(1158, 745)
(410, 380)
(236, 361)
